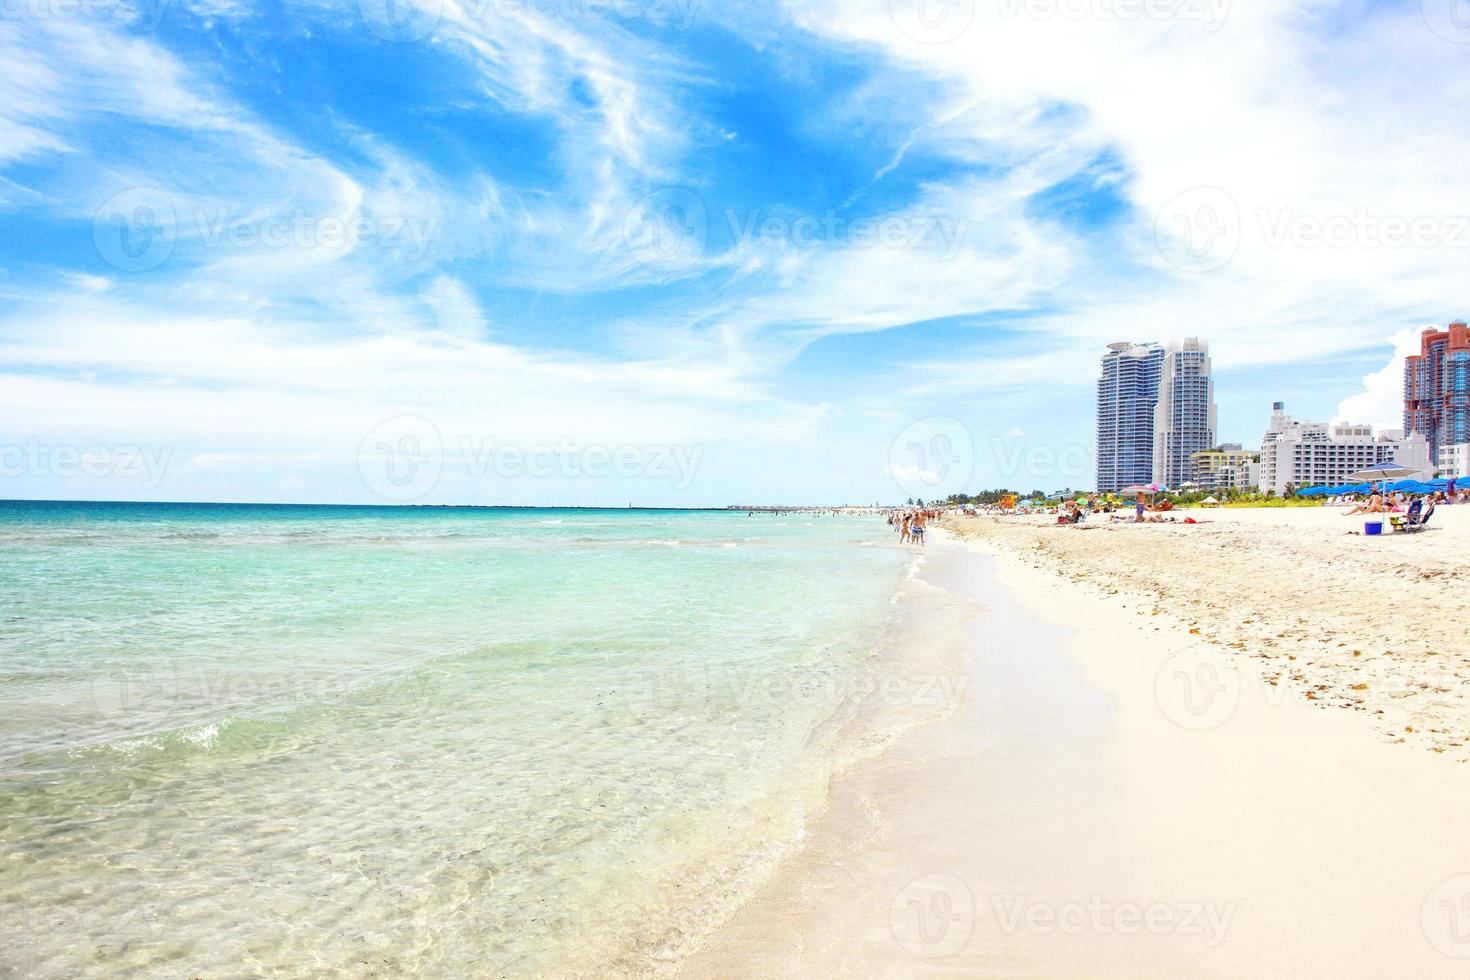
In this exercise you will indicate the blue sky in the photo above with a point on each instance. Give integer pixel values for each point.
(679, 253)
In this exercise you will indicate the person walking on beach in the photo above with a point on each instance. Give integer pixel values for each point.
(1138, 508)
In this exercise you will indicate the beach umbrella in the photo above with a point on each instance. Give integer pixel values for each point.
(1209, 500)
(1387, 470)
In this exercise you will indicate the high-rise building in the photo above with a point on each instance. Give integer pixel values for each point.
(1437, 387)
(1127, 399)
(1313, 454)
(1155, 410)
(1184, 420)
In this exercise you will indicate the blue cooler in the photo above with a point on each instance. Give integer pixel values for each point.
(1373, 527)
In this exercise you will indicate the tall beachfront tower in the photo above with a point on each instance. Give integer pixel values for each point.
(1184, 419)
(1127, 398)
(1437, 388)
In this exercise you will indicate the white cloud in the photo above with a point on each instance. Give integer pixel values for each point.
(1309, 115)
(1309, 119)
(1381, 402)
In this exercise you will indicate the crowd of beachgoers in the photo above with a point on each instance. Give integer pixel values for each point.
(1415, 508)
(910, 522)
(1403, 509)
(1076, 510)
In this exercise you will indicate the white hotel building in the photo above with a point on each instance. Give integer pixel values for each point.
(1454, 461)
(1309, 454)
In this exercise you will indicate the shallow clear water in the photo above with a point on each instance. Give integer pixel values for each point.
(357, 741)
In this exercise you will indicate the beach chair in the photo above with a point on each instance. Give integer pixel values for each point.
(1410, 517)
(1420, 522)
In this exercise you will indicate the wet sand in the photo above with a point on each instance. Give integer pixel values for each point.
(1117, 797)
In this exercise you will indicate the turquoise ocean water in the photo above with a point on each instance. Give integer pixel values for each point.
(270, 741)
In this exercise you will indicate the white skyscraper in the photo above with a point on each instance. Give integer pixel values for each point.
(1127, 397)
(1184, 419)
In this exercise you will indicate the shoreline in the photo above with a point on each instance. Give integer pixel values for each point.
(913, 675)
(1077, 818)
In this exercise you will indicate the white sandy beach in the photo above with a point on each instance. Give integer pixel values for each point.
(1373, 625)
(1137, 786)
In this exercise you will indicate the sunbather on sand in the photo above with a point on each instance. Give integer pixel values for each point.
(1373, 506)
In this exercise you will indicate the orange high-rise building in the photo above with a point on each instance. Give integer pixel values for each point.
(1437, 387)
